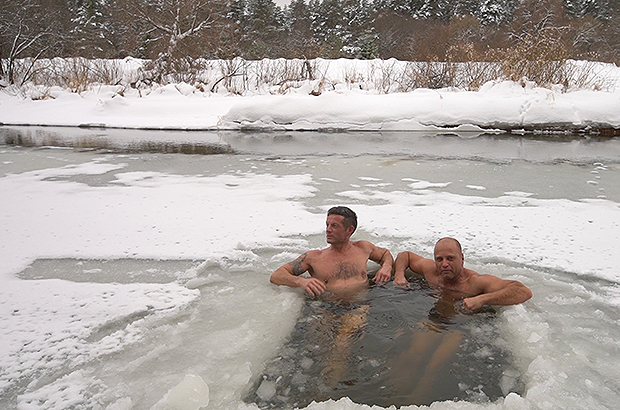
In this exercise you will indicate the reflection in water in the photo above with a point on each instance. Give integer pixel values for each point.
(544, 147)
(103, 142)
(398, 347)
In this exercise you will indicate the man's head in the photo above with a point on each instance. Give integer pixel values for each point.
(341, 223)
(449, 258)
(350, 218)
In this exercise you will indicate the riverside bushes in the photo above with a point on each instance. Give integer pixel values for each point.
(278, 76)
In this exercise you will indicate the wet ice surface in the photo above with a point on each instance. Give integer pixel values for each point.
(124, 273)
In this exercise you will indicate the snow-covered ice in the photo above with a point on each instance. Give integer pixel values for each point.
(123, 275)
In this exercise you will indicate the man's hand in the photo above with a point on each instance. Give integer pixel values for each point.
(383, 275)
(313, 286)
(472, 304)
(401, 280)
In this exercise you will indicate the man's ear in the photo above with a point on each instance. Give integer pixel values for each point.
(350, 229)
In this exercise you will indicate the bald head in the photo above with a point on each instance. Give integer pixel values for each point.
(449, 259)
(446, 240)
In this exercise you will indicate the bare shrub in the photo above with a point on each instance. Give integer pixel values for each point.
(587, 75)
(352, 75)
(281, 73)
(293, 73)
(429, 74)
(234, 75)
(538, 58)
(77, 74)
(535, 60)
(387, 73)
(471, 70)
(72, 73)
(173, 70)
(27, 70)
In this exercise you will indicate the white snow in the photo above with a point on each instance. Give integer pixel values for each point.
(341, 106)
(49, 212)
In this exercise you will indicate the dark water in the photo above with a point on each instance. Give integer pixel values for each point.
(396, 347)
(492, 146)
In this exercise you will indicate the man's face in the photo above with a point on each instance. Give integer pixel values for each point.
(336, 231)
(448, 260)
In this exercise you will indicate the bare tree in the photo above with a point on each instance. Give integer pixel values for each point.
(170, 23)
(22, 34)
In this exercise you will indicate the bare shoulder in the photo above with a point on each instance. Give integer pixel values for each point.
(308, 256)
(303, 262)
(369, 247)
(365, 245)
(485, 282)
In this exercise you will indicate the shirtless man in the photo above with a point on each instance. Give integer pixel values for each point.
(341, 267)
(432, 346)
(338, 272)
(448, 274)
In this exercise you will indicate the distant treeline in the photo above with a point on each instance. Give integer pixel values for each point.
(172, 31)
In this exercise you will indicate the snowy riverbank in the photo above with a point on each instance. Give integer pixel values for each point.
(126, 273)
(342, 105)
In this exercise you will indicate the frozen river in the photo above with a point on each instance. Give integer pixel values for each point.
(134, 265)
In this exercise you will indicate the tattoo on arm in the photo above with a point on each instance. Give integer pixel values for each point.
(297, 269)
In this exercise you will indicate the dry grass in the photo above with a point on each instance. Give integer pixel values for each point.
(535, 61)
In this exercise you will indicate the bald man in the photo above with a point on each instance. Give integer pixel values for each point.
(433, 345)
(448, 274)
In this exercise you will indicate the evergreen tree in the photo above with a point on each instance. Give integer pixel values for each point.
(581, 8)
(261, 26)
(495, 11)
(301, 43)
(359, 36)
(92, 28)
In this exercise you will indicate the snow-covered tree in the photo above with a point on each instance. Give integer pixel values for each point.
(581, 8)
(25, 31)
(171, 24)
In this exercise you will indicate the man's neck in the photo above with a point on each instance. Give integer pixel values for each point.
(341, 247)
(454, 283)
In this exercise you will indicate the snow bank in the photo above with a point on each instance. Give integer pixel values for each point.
(340, 104)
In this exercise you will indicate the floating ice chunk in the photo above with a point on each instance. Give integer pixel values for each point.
(534, 337)
(266, 390)
(509, 380)
(427, 184)
(514, 401)
(519, 193)
(306, 363)
(197, 283)
(191, 394)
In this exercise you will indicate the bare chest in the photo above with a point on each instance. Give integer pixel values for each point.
(453, 290)
(341, 269)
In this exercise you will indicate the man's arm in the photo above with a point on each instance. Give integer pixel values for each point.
(384, 258)
(289, 275)
(496, 291)
(412, 261)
